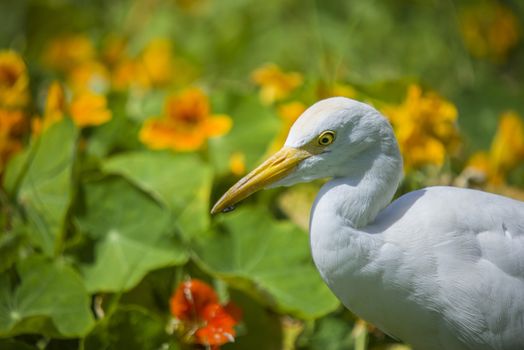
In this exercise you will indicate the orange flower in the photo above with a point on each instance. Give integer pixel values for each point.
(336, 89)
(507, 147)
(11, 127)
(89, 76)
(506, 151)
(55, 104)
(425, 126)
(191, 298)
(489, 30)
(128, 73)
(157, 61)
(194, 7)
(219, 325)
(88, 109)
(237, 163)
(68, 51)
(153, 67)
(186, 125)
(289, 113)
(275, 84)
(204, 320)
(14, 81)
(55, 108)
(114, 49)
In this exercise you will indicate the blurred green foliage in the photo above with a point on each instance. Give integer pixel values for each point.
(97, 230)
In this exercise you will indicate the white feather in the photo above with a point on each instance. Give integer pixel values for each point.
(440, 268)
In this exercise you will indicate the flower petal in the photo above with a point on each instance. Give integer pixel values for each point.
(219, 328)
(191, 299)
(237, 163)
(88, 109)
(188, 140)
(218, 125)
(14, 80)
(157, 133)
(190, 106)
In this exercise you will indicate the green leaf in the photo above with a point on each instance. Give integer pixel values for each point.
(154, 290)
(51, 300)
(180, 181)
(269, 259)
(130, 328)
(14, 171)
(11, 244)
(45, 189)
(118, 133)
(261, 328)
(332, 333)
(11, 344)
(132, 232)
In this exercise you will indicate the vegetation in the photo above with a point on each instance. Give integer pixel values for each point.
(122, 121)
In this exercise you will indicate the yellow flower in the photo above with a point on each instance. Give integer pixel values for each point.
(128, 73)
(275, 85)
(506, 151)
(194, 7)
(89, 109)
(114, 49)
(89, 76)
(425, 126)
(288, 113)
(489, 30)
(11, 128)
(336, 89)
(55, 108)
(86, 109)
(14, 81)
(186, 123)
(344, 90)
(507, 147)
(480, 165)
(157, 60)
(55, 104)
(237, 163)
(154, 67)
(66, 52)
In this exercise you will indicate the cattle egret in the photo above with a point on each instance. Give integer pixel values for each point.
(439, 268)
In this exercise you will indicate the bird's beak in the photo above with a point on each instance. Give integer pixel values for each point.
(273, 169)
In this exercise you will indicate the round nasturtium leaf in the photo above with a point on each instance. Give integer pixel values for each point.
(133, 235)
(51, 299)
(269, 259)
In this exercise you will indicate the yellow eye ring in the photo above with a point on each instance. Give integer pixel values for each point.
(326, 138)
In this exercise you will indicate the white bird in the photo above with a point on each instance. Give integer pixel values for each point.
(439, 268)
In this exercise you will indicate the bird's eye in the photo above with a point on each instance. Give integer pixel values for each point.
(326, 138)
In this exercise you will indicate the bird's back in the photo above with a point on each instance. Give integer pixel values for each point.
(452, 263)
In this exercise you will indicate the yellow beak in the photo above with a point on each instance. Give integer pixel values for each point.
(273, 169)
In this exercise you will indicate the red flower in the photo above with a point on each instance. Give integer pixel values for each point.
(204, 320)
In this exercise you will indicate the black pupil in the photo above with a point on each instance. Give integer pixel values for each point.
(325, 140)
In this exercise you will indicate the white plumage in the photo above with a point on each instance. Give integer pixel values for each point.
(439, 268)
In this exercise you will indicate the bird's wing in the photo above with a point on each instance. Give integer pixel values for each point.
(493, 223)
(472, 243)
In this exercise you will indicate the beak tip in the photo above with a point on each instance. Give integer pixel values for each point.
(219, 208)
(214, 210)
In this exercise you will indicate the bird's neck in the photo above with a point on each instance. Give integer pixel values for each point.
(357, 197)
(345, 206)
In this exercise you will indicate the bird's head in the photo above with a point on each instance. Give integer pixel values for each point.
(335, 137)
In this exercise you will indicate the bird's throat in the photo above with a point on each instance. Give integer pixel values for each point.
(343, 210)
(357, 198)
